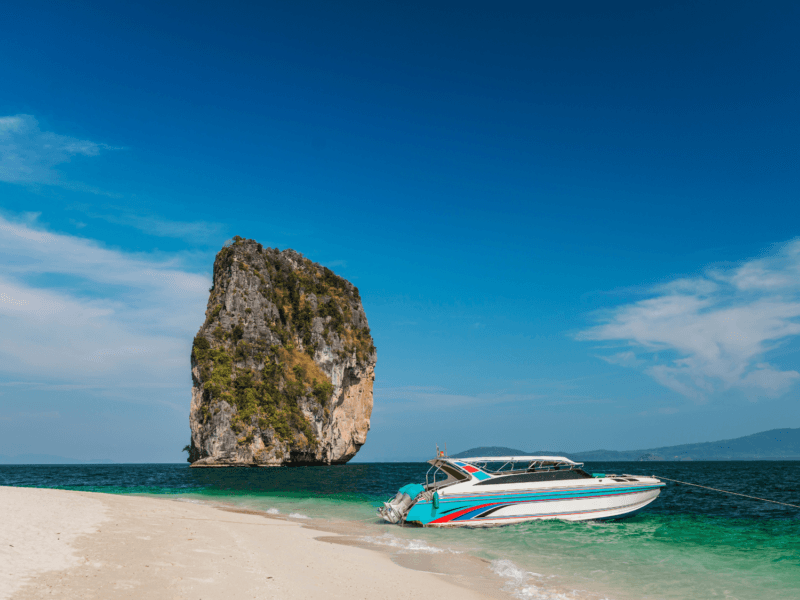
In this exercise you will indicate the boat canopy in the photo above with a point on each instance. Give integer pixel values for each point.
(484, 459)
(478, 467)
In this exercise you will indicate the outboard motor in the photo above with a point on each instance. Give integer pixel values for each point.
(397, 508)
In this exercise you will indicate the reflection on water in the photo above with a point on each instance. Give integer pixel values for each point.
(690, 543)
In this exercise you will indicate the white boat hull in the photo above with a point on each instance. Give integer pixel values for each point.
(585, 500)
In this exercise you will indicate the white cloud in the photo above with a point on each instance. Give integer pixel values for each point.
(110, 320)
(28, 154)
(708, 333)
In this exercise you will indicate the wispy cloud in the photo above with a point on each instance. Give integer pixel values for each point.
(624, 359)
(30, 416)
(29, 155)
(435, 398)
(120, 320)
(336, 263)
(713, 332)
(192, 231)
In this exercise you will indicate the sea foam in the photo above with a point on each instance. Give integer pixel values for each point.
(527, 585)
(414, 545)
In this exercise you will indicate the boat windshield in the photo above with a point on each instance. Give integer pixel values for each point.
(535, 477)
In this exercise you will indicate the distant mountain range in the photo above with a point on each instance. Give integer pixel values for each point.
(776, 444)
(47, 459)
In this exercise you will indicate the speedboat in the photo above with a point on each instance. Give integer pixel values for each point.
(502, 490)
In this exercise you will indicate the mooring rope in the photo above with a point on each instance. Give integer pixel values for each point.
(727, 492)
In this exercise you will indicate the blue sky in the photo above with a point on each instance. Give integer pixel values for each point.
(573, 225)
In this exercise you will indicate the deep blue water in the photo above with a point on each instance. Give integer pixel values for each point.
(690, 543)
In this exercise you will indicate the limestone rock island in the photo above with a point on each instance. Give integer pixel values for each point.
(282, 367)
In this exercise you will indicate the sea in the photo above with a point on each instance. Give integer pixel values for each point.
(691, 543)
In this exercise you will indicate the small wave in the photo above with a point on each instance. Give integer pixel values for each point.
(521, 584)
(273, 511)
(387, 539)
(297, 516)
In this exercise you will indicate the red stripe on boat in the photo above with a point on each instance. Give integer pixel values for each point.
(457, 514)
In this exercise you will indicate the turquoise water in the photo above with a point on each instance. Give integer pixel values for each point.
(691, 543)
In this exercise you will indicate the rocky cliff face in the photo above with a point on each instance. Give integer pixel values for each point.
(283, 366)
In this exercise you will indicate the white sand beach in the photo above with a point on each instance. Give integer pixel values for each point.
(67, 544)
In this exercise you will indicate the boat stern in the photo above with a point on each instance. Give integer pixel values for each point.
(396, 510)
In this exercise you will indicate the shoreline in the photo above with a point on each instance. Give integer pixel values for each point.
(72, 544)
(745, 548)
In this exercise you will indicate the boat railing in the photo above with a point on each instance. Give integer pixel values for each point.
(536, 465)
(430, 478)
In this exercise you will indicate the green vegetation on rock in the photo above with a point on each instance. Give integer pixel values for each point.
(273, 318)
